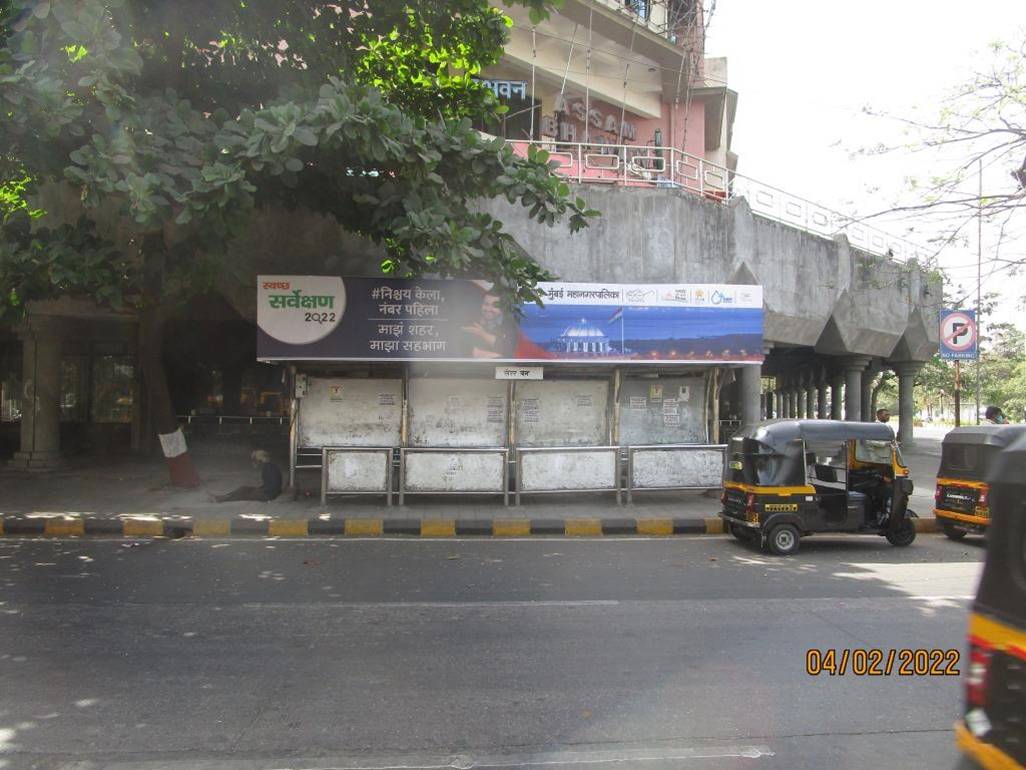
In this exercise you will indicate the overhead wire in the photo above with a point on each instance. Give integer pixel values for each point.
(616, 55)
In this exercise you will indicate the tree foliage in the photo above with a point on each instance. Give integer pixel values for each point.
(982, 123)
(180, 119)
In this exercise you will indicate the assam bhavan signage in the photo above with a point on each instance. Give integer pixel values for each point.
(329, 318)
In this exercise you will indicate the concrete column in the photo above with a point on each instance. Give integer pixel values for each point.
(41, 393)
(906, 372)
(821, 386)
(791, 403)
(799, 402)
(836, 397)
(771, 402)
(810, 400)
(762, 406)
(751, 384)
(854, 366)
(867, 393)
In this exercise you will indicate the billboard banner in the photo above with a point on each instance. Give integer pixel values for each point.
(328, 318)
(959, 335)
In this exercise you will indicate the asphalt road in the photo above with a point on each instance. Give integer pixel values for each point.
(663, 653)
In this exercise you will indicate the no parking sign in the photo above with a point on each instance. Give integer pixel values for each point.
(959, 335)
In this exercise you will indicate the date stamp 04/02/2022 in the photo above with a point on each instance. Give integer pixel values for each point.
(870, 661)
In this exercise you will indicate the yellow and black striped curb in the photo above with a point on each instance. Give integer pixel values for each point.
(152, 526)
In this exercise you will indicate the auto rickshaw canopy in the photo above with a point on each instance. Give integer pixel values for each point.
(777, 434)
(968, 452)
(1002, 589)
(773, 453)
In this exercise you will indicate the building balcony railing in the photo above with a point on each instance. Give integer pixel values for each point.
(679, 21)
(666, 167)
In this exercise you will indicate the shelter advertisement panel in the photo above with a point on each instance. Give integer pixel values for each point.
(328, 318)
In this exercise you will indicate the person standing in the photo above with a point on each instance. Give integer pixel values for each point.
(994, 416)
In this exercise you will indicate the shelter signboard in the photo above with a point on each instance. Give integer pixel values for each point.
(327, 318)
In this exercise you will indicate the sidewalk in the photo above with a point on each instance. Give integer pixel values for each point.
(132, 497)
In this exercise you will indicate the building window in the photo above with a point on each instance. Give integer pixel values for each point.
(10, 383)
(113, 388)
(74, 389)
(640, 7)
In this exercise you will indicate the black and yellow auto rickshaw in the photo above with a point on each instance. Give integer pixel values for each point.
(785, 479)
(961, 500)
(993, 726)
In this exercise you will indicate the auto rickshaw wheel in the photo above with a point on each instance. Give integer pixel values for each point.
(783, 540)
(952, 532)
(904, 535)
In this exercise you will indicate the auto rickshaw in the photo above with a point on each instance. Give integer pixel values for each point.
(785, 479)
(961, 502)
(992, 730)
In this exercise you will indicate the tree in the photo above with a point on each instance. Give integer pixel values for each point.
(172, 122)
(1003, 372)
(981, 124)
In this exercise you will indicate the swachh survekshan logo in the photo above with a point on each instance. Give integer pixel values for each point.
(299, 309)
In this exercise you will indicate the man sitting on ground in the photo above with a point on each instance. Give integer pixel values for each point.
(270, 487)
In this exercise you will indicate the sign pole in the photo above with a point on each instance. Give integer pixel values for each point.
(958, 393)
(979, 271)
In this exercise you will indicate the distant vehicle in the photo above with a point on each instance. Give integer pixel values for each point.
(786, 479)
(992, 730)
(961, 500)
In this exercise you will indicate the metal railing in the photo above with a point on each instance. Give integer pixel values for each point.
(501, 488)
(612, 484)
(667, 167)
(633, 484)
(385, 488)
(228, 424)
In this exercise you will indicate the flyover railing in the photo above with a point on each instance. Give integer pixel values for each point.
(629, 165)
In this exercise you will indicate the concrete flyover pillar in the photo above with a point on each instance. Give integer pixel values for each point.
(906, 371)
(821, 386)
(810, 399)
(751, 385)
(799, 395)
(41, 393)
(867, 392)
(854, 366)
(836, 398)
(771, 404)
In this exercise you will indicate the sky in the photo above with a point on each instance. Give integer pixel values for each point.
(805, 69)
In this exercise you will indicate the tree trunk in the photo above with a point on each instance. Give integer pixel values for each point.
(172, 440)
(877, 387)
